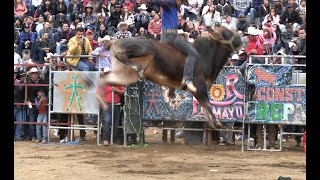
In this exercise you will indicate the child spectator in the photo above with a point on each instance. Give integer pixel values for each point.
(42, 131)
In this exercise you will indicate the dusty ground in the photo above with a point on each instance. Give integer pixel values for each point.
(157, 161)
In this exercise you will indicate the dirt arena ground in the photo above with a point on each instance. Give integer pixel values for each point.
(88, 161)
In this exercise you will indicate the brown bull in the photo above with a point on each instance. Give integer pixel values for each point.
(136, 58)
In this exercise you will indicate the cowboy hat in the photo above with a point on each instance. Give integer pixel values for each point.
(129, 21)
(33, 70)
(143, 7)
(242, 51)
(105, 38)
(235, 57)
(180, 31)
(252, 31)
(122, 24)
(89, 6)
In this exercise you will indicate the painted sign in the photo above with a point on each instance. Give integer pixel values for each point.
(72, 95)
(226, 96)
(275, 100)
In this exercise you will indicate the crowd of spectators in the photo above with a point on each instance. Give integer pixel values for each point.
(43, 28)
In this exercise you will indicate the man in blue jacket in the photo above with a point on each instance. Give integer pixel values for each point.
(169, 10)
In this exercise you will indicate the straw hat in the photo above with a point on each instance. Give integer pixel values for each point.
(106, 38)
(33, 70)
(106, 69)
(122, 24)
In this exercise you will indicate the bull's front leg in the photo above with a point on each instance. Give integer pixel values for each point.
(123, 57)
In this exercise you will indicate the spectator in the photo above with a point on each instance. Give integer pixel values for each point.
(279, 7)
(26, 39)
(205, 8)
(104, 97)
(267, 38)
(242, 24)
(20, 9)
(223, 8)
(46, 29)
(243, 56)
(17, 58)
(93, 42)
(123, 31)
(18, 24)
(41, 104)
(254, 9)
(154, 27)
(300, 47)
(290, 16)
(263, 11)
(126, 14)
(229, 22)
(62, 37)
(42, 47)
(20, 113)
(128, 5)
(75, 22)
(286, 37)
(142, 32)
(240, 7)
(101, 20)
(143, 18)
(39, 25)
(61, 8)
(272, 17)
(193, 33)
(136, 6)
(182, 24)
(302, 9)
(89, 17)
(103, 53)
(101, 33)
(80, 45)
(192, 10)
(33, 78)
(112, 7)
(210, 17)
(74, 9)
(47, 9)
(114, 20)
(96, 6)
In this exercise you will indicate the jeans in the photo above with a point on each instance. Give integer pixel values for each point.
(85, 66)
(33, 114)
(253, 14)
(106, 130)
(44, 132)
(20, 116)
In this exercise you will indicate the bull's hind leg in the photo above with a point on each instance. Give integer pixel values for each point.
(202, 96)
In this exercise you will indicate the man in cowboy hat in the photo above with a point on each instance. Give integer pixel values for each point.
(34, 78)
(169, 11)
(103, 53)
(143, 17)
(123, 31)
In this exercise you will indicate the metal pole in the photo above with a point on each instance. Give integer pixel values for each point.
(280, 139)
(248, 139)
(264, 136)
(72, 131)
(112, 117)
(125, 142)
(50, 99)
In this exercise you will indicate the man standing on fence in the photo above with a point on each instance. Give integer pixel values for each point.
(80, 45)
